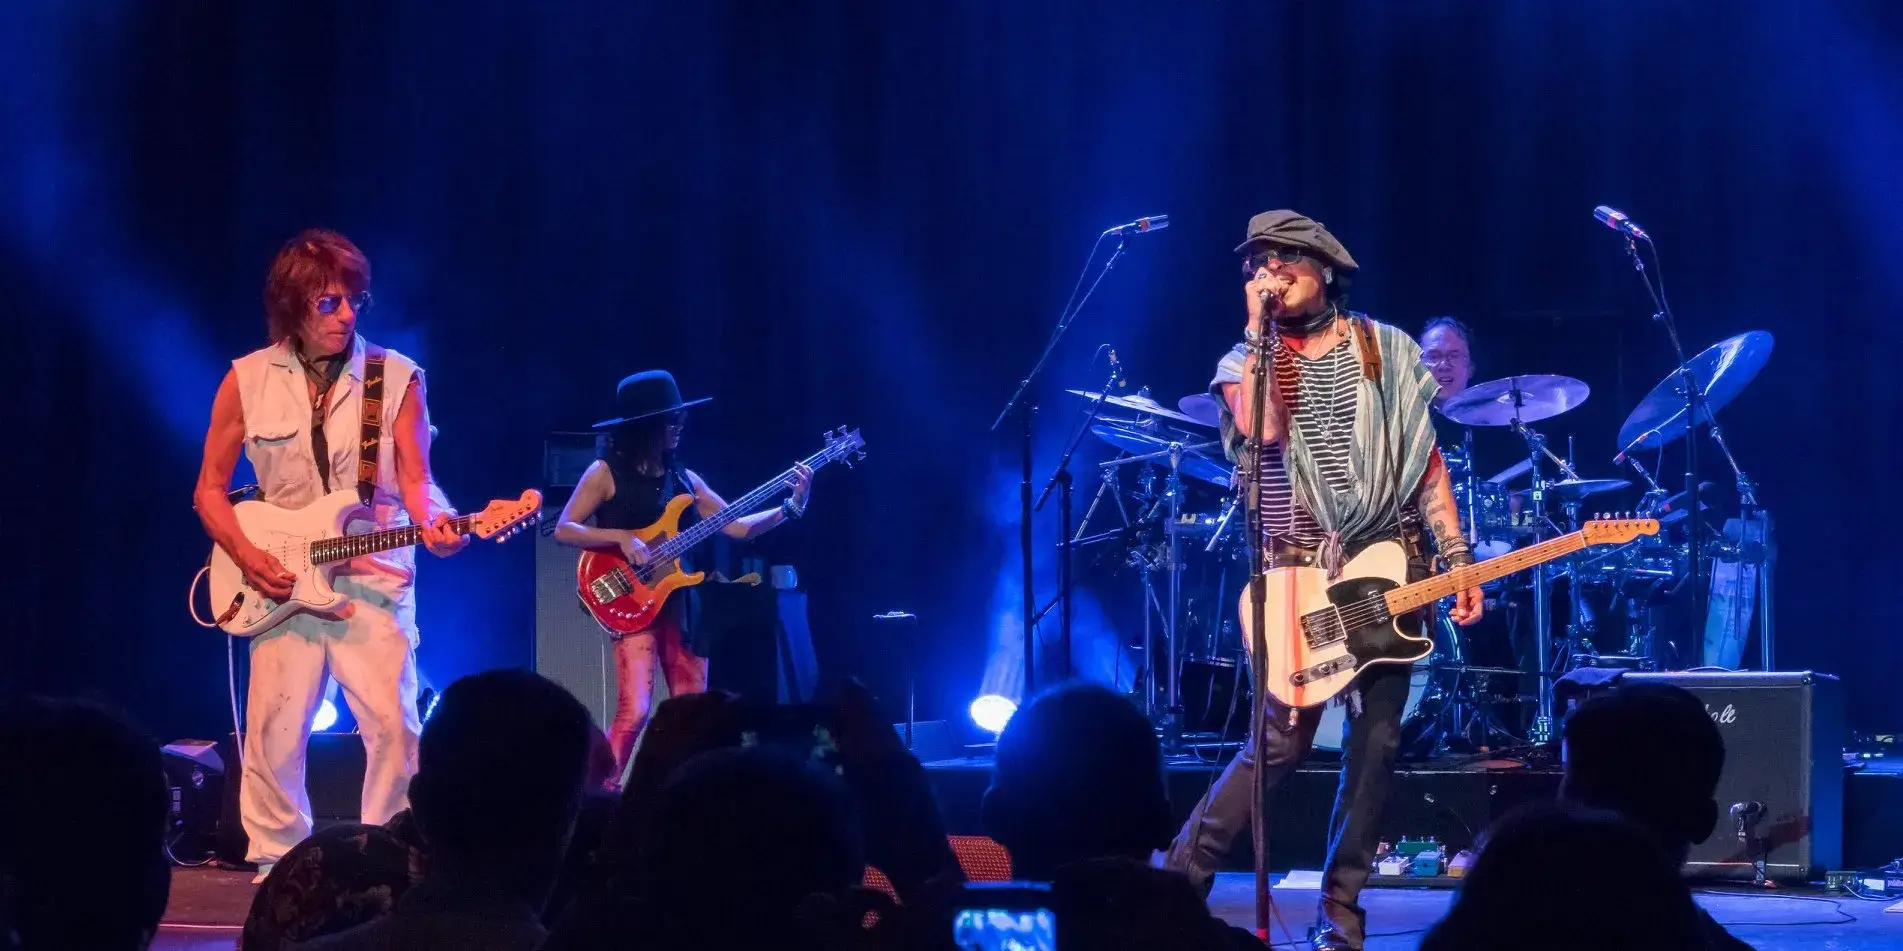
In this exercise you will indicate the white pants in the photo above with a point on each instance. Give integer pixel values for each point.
(372, 659)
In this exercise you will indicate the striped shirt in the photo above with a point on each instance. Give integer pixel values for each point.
(1321, 396)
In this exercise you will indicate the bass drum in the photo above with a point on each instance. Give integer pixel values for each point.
(1335, 715)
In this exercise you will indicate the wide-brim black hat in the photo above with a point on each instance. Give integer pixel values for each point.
(647, 393)
(1291, 229)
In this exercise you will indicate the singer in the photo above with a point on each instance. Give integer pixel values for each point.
(1347, 447)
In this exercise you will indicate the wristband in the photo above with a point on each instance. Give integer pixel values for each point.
(792, 509)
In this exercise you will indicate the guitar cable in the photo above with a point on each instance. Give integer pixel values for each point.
(231, 656)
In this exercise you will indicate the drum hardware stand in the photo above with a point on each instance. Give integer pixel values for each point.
(1170, 501)
(1761, 553)
(1543, 719)
(1061, 480)
(1466, 705)
(1110, 487)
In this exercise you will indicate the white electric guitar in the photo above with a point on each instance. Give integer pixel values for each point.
(310, 542)
(1320, 634)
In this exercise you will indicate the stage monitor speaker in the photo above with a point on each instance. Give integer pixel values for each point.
(1784, 735)
(195, 775)
(570, 648)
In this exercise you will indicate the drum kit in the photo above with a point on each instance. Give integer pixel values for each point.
(1181, 531)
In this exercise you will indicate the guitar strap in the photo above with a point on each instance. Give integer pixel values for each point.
(372, 424)
(1370, 350)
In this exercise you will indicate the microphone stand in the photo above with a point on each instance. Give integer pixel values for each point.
(1062, 477)
(1025, 411)
(1693, 407)
(1258, 622)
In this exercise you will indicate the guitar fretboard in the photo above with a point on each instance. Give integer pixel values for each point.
(369, 543)
(672, 549)
(1425, 592)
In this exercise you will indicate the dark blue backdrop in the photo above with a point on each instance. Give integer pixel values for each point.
(868, 213)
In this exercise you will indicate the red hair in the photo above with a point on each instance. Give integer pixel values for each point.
(304, 266)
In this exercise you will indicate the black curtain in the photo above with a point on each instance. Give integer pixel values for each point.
(868, 213)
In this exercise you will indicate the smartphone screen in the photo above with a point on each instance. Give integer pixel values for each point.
(1013, 916)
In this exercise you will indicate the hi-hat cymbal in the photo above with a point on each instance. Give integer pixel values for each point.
(1722, 372)
(1142, 403)
(1137, 442)
(1572, 490)
(1202, 408)
(1528, 398)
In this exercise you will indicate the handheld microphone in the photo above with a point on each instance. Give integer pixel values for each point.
(1616, 220)
(1141, 225)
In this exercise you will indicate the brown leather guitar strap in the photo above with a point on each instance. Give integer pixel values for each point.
(1370, 351)
(372, 424)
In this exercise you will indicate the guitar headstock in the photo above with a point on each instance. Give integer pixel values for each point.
(1608, 529)
(847, 447)
(502, 518)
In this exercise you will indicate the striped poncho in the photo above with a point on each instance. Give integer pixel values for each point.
(1393, 442)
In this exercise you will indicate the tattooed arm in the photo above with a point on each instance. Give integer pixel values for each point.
(1443, 522)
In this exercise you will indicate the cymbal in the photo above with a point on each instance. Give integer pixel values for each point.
(1201, 407)
(1721, 372)
(1572, 490)
(1529, 398)
(1137, 442)
(1142, 403)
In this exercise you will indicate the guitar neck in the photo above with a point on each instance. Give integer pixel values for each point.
(1422, 593)
(369, 543)
(746, 505)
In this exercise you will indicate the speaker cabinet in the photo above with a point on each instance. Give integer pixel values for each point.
(570, 648)
(1784, 736)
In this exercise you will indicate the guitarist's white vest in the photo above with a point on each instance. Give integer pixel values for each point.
(277, 418)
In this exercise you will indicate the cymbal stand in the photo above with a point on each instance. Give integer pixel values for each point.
(1749, 513)
(1172, 717)
(1111, 488)
(1543, 718)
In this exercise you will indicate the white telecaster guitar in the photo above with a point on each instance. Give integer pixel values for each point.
(310, 542)
(1320, 634)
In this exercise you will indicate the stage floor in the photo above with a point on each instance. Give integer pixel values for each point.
(208, 907)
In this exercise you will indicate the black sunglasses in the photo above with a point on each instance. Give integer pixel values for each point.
(329, 303)
(1261, 257)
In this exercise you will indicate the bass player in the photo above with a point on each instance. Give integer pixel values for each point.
(300, 411)
(1346, 448)
(626, 489)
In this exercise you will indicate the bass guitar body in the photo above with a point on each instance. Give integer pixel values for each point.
(1317, 634)
(625, 598)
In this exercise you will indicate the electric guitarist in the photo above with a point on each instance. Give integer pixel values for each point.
(627, 489)
(1332, 483)
(320, 410)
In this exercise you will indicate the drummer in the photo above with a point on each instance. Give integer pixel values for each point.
(1447, 352)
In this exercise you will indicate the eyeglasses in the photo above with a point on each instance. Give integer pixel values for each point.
(328, 304)
(1261, 258)
(1442, 358)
